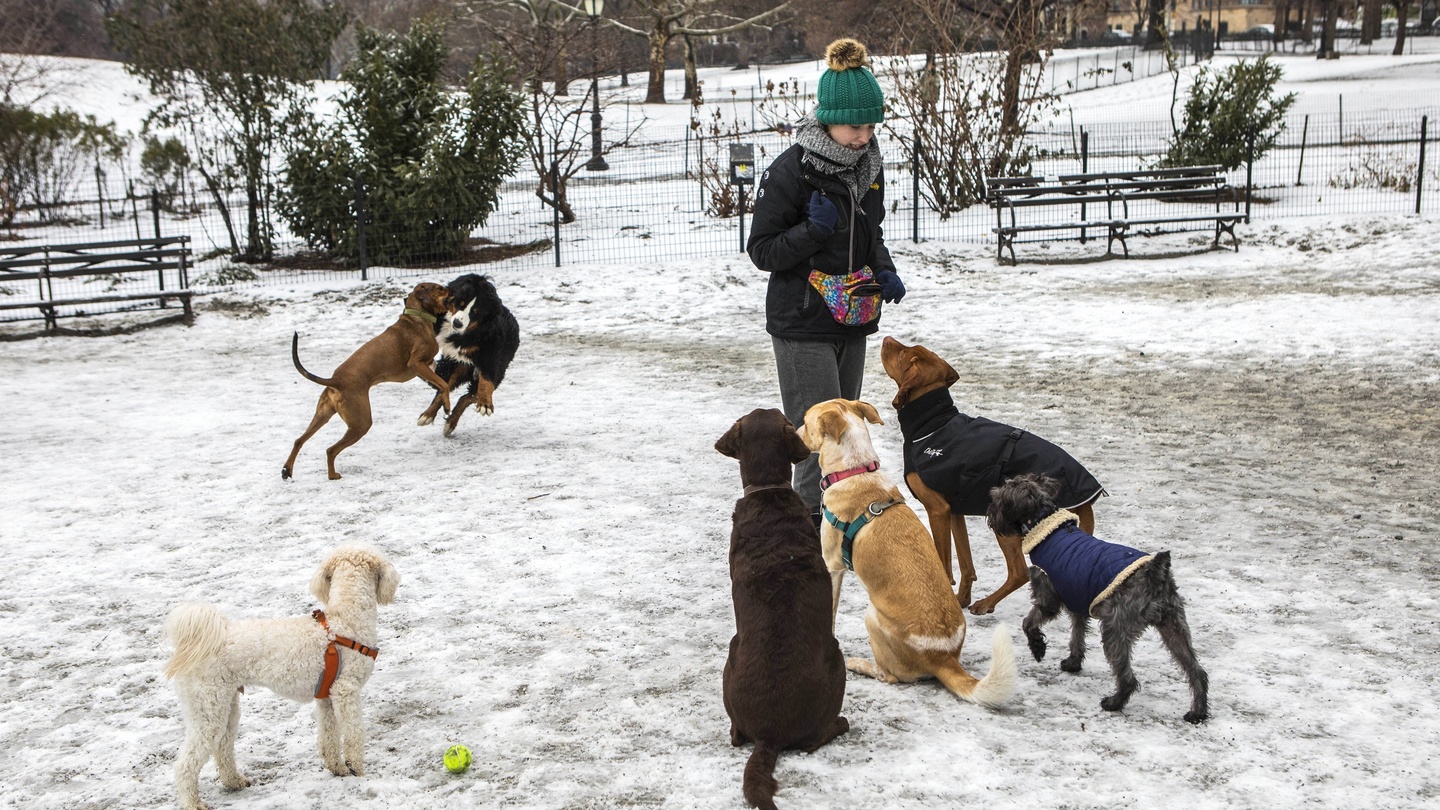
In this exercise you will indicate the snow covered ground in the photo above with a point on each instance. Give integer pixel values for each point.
(1270, 416)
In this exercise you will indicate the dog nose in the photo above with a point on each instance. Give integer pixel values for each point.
(456, 323)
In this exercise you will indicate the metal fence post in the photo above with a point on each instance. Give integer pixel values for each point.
(1420, 172)
(155, 210)
(360, 225)
(1084, 169)
(1249, 169)
(915, 191)
(555, 192)
(1304, 136)
(100, 193)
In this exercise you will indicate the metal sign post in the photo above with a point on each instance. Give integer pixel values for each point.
(742, 174)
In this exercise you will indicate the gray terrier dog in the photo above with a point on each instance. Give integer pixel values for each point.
(1126, 589)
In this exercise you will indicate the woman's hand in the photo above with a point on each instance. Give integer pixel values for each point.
(892, 289)
(823, 213)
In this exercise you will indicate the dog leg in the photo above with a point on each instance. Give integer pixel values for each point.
(937, 511)
(1175, 633)
(835, 729)
(1045, 606)
(1016, 573)
(357, 424)
(346, 698)
(324, 409)
(1117, 637)
(1079, 627)
(454, 418)
(456, 376)
(484, 395)
(225, 767)
(328, 737)
(203, 723)
(836, 578)
(962, 555)
(737, 738)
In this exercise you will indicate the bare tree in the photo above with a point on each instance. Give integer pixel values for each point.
(1402, 7)
(668, 19)
(26, 37)
(537, 35)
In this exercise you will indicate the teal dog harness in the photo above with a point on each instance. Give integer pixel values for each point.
(852, 528)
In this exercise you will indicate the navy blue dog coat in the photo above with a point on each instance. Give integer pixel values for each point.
(1083, 568)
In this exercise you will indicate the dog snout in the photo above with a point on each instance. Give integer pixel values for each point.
(457, 324)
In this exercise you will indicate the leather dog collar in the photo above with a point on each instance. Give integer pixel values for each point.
(829, 480)
(332, 655)
(758, 487)
(421, 314)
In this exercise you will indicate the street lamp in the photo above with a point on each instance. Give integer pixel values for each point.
(593, 9)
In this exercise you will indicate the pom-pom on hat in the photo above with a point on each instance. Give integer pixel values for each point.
(848, 91)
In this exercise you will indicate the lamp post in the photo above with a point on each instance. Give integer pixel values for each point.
(593, 9)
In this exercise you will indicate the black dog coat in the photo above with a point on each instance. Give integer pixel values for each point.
(962, 457)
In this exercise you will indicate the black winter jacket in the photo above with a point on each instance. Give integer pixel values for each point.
(784, 243)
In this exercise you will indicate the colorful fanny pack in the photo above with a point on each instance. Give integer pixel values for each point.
(852, 299)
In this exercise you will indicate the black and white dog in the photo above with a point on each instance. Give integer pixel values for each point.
(1126, 589)
(476, 346)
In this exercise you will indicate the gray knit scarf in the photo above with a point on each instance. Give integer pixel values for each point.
(857, 169)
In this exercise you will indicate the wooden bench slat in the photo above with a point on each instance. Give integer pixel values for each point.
(32, 275)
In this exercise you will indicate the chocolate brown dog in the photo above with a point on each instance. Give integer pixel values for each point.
(400, 353)
(952, 460)
(784, 681)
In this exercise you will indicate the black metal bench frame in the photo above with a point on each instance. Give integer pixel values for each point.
(1115, 191)
(43, 264)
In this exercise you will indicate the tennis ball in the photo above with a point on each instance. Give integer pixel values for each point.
(457, 759)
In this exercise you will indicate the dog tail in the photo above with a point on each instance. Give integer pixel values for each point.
(998, 684)
(198, 635)
(295, 355)
(760, 784)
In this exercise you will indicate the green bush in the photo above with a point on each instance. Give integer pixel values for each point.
(43, 154)
(1222, 110)
(162, 166)
(430, 160)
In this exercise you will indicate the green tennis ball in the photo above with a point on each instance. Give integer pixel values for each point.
(457, 759)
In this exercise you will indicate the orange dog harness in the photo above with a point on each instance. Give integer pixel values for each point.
(332, 656)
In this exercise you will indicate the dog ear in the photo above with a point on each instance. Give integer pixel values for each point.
(951, 375)
(798, 451)
(387, 583)
(866, 411)
(729, 444)
(832, 424)
(320, 583)
(909, 381)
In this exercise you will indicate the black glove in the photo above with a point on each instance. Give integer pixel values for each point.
(892, 289)
(823, 213)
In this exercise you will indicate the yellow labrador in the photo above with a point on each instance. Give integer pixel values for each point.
(915, 625)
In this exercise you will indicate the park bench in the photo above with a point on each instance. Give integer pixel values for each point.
(55, 280)
(1115, 203)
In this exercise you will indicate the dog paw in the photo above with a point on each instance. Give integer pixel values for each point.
(1114, 703)
(449, 429)
(425, 419)
(1037, 646)
(1071, 664)
(983, 607)
(237, 782)
(1196, 717)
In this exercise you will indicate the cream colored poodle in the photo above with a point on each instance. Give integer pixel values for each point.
(215, 658)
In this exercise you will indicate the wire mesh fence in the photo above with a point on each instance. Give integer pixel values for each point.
(669, 200)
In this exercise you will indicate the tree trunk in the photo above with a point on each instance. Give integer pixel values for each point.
(1307, 20)
(1155, 34)
(1327, 34)
(1370, 25)
(1404, 8)
(692, 80)
(1282, 20)
(562, 73)
(655, 93)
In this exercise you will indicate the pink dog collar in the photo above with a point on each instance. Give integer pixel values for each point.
(829, 480)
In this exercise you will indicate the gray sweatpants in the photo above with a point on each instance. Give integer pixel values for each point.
(813, 371)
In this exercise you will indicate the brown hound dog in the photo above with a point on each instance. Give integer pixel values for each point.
(952, 482)
(400, 353)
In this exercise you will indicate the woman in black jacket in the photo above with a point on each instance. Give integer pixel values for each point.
(817, 218)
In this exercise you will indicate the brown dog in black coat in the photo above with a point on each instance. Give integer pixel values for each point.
(785, 677)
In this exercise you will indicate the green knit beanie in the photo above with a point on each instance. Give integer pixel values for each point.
(848, 91)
